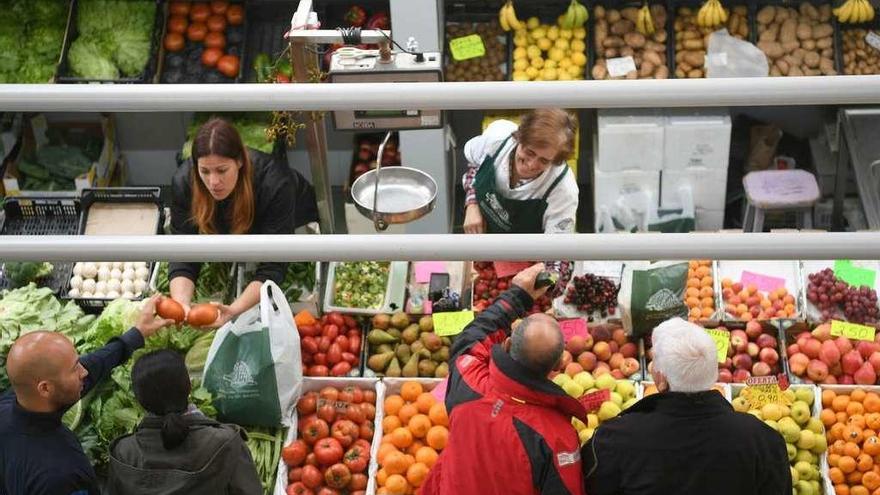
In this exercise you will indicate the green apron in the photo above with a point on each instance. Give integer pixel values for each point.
(504, 215)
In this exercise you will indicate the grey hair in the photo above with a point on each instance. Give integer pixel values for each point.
(541, 363)
(686, 355)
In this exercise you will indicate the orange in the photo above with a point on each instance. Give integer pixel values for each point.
(839, 403)
(693, 282)
(382, 491)
(416, 474)
(410, 391)
(841, 489)
(414, 447)
(864, 462)
(692, 302)
(393, 403)
(872, 420)
(856, 419)
(395, 463)
(857, 395)
(852, 433)
(858, 490)
(871, 480)
(828, 417)
(424, 402)
(854, 478)
(384, 450)
(726, 283)
(407, 412)
(836, 431)
(707, 311)
(833, 459)
(837, 447)
(707, 292)
(842, 417)
(871, 445)
(872, 402)
(854, 408)
(437, 437)
(867, 432)
(401, 438)
(438, 414)
(692, 292)
(419, 425)
(835, 474)
(707, 302)
(382, 476)
(827, 397)
(702, 271)
(706, 281)
(851, 449)
(391, 423)
(396, 485)
(846, 464)
(427, 456)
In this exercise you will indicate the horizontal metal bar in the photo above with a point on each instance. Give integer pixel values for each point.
(791, 246)
(757, 91)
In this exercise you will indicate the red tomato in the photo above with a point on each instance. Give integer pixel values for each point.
(324, 343)
(309, 330)
(354, 344)
(174, 42)
(318, 370)
(337, 476)
(311, 477)
(311, 460)
(363, 444)
(299, 488)
(320, 358)
(349, 358)
(328, 451)
(352, 333)
(331, 331)
(215, 40)
(357, 394)
(199, 12)
(342, 342)
(219, 6)
(350, 322)
(337, 319)
(327, 491)
(216, 23)
(281, 78)
(196, 31)
(369, 410)
(179, 7)
(370, 396)
(345, 395)
(367, 430)
(307, 359)
(357, 459)
(315, 431)
(309, 345)
(304, 421)
(334, 354)
(177, 24)
(229, 66)
(327, 412)
(358, 482)
(355, 414)
(295, 453)
(294, 475)
(345, 431)
(308, 404)
(235, 15)
(329, 393)
(340, 369)
(210, 56)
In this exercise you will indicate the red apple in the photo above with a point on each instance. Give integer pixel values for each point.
(753, 349)
(725, 376)
(765, 340)
(761, 369)
(629, 350)
(742, 361)
(587, 360)
(576, 345)
(573, 369)
(617, 374)
(741, 375)
(739, 340)
(811, 348)
(793, 349)
(830, 380)
(829, 353)
(753, 328)
(769, 356)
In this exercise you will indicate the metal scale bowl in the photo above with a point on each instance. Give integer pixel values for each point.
(394, 195)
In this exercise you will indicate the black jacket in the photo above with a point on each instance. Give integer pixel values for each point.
(213, 459)
(284, 200)
(41, 456)
(676, 444)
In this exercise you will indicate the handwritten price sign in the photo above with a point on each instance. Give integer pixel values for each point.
(763, 390)
(593, 401)
(452, 323)
(852, 330)
(467, 47)
(722, 343)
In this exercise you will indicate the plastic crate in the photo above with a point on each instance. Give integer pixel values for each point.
(695, 6)
(42, 216)
(149, 72)
(835, 36)
(267, 23)
(593, 56)
(119, 195)
(394, 291)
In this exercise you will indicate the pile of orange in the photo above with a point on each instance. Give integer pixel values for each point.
(700, 294)
(852, 423)
(414, 432)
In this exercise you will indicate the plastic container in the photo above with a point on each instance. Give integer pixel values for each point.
(548, 12)
(795, 5)
(786, 270)
(597, 55)
(394, 292)
(695, 5)
(612, 270)
(464, 24)
(811, 312)
(150, 70)
(630, 140)
(308, 299)
(311, 384)
(858, 31)
(839, 390)
(609, 187)
(266, 23)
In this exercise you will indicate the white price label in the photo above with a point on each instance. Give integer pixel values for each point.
(717, 59)
(621, 66)
(873, 39)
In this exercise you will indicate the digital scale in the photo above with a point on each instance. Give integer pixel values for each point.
(351, 65)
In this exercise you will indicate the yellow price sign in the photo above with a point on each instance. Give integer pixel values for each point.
(467, 47)
(722, 343)
(451, 323)
(852, 330)
(763, 390)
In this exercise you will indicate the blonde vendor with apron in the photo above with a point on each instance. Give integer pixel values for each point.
(518, 181)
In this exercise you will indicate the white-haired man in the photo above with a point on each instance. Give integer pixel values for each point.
(687, 439)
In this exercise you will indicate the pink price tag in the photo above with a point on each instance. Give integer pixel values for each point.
(424, 269)
(439, 392)
(764, 283)
(593, 401)
(507, 268)
(572, 328)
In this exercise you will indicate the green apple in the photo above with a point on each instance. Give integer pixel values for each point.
(740, 404)
(804, 469)
(560, 379)
(804, 488)
(772, 412)
(617, 399)
(772, 424)
(800, 412)
(573, 389)
(626, 389)
(792, 451)
(807, 440)
(789, 395)
(804, 455)
(815, 425)
(606, 382)
(814, 484)
(756, 413)
(790, 431)
(804, 395)
(585, 380)
(821, 445)
(794, 475)
(608, 410)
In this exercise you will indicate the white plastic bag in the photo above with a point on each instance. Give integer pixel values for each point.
(730, 57)
(675, 220)
(254, 366)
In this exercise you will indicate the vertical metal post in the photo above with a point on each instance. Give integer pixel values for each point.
(842, 173)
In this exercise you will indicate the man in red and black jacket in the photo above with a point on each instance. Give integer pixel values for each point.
(510, 427)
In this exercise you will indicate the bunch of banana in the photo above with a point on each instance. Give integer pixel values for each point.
(575, 16)
(645, 22)
(855, 12)
(507, 17)
(711, 14)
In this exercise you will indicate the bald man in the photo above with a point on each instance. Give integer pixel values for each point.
(38, 454)
(504, 413)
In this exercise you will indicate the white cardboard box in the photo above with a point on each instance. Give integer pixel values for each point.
(708, 187)
(629, 139)
(698, 138)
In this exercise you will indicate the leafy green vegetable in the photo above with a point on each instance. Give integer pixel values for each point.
(251, 126)
(361, 284)
(88, 60)
(31, 35)
(21, 273)
(214, 284)
(115, 37)
(132, 52)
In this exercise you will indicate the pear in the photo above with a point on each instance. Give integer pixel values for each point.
(427, 368)
(442, 355)
(399, 320)
(383, 348)
(410, 334)
(432, 341)
(426, 324)
(411, 368)
(378, 362)
(393, 369)
(417, 346)
(381, 321)
(442, 370)
(378, 337)
(394, 333)
(403, 352)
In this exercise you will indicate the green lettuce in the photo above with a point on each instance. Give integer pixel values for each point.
(132, 52)
(88, 60)
(118, 34)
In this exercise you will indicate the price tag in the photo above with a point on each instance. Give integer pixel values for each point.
(764, 283)
(467, 47)
(873, 39)
(572, 328)
(439, 391)
(424, 269)
(722, 343)
(621, 66)
(508, 268)
(854, 275)
(852, 330)
(593, 401)
(451, 323)
(763, 390)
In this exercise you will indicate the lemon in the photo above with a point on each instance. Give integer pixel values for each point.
(563, 76)
(545, 44)
(550, 64)
(533, 52)
(561, 44)
(556, 54)
(532, 72)
(578, 46)
(548, 74)
(519, 52)
(574, 71)
(553, 33)
(579, 59)
(538, 33)
(538, 63)
(520, 64)
(533, 22)
(564, 63)
(521, 39)
(579, 33)
(520, 76)
(565, 34)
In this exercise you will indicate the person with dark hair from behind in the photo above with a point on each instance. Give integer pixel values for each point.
(176, 449)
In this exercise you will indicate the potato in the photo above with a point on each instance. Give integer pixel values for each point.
(774, 71)
(858, 57)
(696, 59)
(782, 65)
(807, 9)
(788, 31)
(634, 40)
(653, 58)
(809, 45)
(795, 71)
(804, 31)
(599, 72)
(630, 13)
(646, 69)
(766, 15)
(662, 72)
(771, 34)
(811, 59)
(680, 73)
(771, 48)
(622, 26)
(821, 31)
(613, 16)
(624, 40)
(599, 12)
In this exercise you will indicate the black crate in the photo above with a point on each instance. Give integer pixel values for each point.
(841, 29)
(469, 20)
(618, 5)
(760, 4)
(267, 23)
(45, 215)
(114, 195)
(64, 73)
(674, 5)
(195, 49)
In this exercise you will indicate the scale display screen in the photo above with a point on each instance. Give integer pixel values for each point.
(373, 114)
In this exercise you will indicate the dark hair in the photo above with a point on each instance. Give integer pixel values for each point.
(539, 361)
(219, 137)
(160, 382)
(548, 128)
